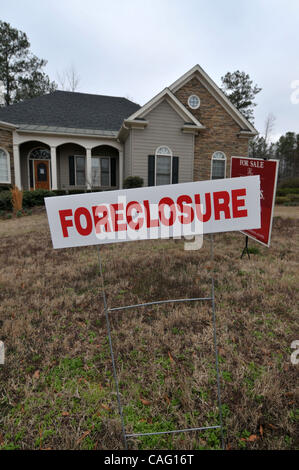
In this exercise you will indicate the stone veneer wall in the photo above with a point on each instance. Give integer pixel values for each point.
(220, 133)
(6, 144)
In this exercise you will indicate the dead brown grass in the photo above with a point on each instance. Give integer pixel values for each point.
(57, 389)
(287, 212)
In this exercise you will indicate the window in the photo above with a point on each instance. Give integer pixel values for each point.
(163, 165)
(80, 170)
(101, 171)
(105, 171)
(218, 166)
(193, 102)
(4, 166)
(77, 170)
(40, 154)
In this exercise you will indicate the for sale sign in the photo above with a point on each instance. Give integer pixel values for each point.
(267, 170)
(154, 212)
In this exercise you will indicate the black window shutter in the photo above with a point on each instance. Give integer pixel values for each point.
(31, 173)
(113, 171)
(175, 170)
(151, 170)
(72, 170)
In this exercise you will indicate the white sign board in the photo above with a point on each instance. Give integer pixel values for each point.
(154, 212)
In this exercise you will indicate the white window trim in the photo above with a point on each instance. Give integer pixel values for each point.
(220, 159)
(157, 154)
(8, 167)
(189, 99)
(100, 157)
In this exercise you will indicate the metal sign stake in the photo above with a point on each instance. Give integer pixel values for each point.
(245, 249)
(126, 307)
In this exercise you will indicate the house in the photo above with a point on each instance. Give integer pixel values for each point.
(68, 140)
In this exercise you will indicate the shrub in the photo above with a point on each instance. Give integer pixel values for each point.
(286, 191)
(5, 201)
(6, 187)
(281, 199)
(36, 198)
(289, 183)
(32, 198)
(294, 198)
(133, 182)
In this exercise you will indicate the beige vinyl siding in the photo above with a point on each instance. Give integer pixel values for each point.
(127, 156)
(164, 128)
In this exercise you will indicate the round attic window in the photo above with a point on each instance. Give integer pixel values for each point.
(193, 101)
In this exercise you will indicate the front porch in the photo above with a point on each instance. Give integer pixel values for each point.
(68, 165)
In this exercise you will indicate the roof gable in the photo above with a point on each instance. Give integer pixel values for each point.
(217, 93)
(166, 94)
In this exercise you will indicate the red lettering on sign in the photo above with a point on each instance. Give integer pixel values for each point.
(203, 217)
(221, 204)
(187, 211)
(65, 223)
(133, 224)
(149, 222)
(167, 201)
(236, 203)
(117, 216)
(103, 220)
(82, 211)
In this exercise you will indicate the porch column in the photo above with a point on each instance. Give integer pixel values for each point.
(88, 168)
(17, 165)
(54, 168)
(121, 168)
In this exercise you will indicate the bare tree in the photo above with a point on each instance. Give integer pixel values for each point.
(269, 126)
(68, 79)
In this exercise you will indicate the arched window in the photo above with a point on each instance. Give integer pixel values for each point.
(40, 154)
(163, 165)
(218, 170)
(4, 166)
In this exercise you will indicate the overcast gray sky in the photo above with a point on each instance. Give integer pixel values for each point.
(135, 48)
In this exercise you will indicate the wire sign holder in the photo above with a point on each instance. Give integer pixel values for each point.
(108, 310)
(107, 217)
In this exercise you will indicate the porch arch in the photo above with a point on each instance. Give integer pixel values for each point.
(30, 169)
(71, 166)
(105, 164)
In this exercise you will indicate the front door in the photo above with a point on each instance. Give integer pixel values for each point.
(41, 174)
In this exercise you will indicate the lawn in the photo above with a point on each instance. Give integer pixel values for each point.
(56, 387)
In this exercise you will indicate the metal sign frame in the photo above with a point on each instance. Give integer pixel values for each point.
(108, 310)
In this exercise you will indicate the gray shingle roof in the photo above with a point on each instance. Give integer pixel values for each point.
(71, 110)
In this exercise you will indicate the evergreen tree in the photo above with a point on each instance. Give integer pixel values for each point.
(241, 92)
(21, 71)
(287, 151)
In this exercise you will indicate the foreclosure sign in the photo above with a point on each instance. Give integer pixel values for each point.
(154, 212)
(267, 170)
